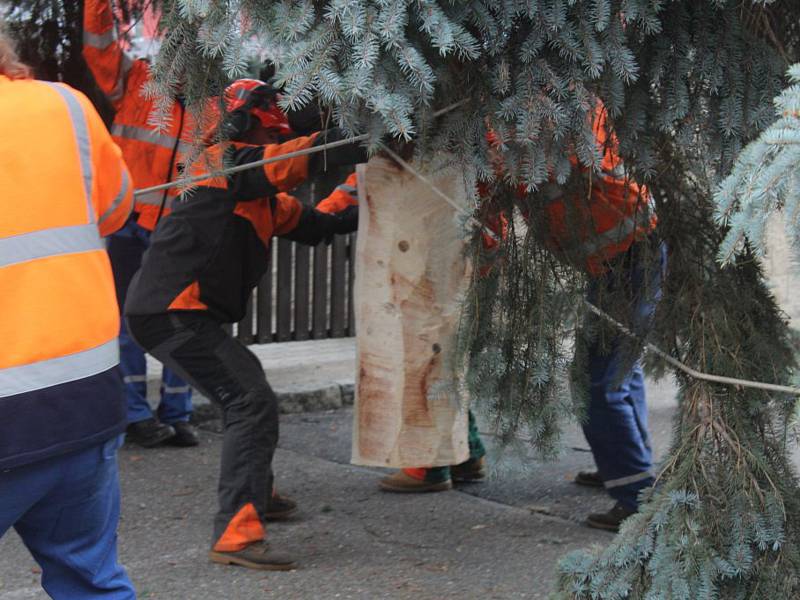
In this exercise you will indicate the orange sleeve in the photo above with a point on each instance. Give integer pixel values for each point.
(103, 53)
(287, 174)
(285, 214)
(345, 194)
(112, 193)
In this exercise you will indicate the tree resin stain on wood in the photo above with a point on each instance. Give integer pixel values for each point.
(402, 417)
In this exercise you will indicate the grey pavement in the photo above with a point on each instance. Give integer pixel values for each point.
(496, 540)
(307, 376)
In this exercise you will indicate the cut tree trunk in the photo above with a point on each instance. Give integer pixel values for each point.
(411, 273)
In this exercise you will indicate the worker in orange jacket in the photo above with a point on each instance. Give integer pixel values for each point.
(205, 259)
(609, 232)
(62, 410)
(153, 157)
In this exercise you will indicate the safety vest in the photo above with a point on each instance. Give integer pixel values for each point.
(152, 156)
(345, 194)
(58, 312)
(590, 229)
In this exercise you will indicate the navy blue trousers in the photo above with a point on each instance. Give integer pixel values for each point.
(616, 428)
(66, 510)
(125, 249)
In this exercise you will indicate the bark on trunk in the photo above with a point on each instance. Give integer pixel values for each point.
(411, 273)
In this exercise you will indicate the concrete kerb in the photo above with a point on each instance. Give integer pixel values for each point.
(307, 376)
(309, 399)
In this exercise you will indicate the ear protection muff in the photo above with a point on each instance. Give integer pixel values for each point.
(237, 124)
(239, 121)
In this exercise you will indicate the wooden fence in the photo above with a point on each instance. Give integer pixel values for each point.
(306, 293)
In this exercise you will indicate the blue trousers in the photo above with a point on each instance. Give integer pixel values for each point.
(616, 428)
(66, 511)
(125, 249)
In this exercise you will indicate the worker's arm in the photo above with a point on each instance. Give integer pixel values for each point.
(112, 194)
(285, 175)
(345, 194)
(101, 49)
(308, 225)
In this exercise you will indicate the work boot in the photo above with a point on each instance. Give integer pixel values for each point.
(589, 479)
(185, 435)
(611, 520)
(415, 481)
(148, 433)
(280, 507)
(471, 471)
(257, 555)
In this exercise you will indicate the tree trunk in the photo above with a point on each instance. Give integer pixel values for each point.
(411, 273)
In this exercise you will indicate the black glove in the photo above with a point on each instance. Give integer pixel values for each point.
(347, 220)
(315, 226)
(349, 154)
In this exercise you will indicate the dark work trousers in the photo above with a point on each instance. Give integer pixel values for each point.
(195, 346)
(616, 428)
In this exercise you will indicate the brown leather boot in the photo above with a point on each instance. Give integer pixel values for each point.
(611, 520)
(257, 555)
(589, 479)
(280, 508)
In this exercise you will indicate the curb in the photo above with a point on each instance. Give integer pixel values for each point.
(290, 401)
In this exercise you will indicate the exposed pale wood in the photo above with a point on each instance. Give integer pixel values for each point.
(410, 276)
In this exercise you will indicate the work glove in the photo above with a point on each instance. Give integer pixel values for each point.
(346, 220)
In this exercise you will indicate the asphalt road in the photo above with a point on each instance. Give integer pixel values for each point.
(497, 540)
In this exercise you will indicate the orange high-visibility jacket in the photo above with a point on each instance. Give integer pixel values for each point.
(594, 229)
(65, 186)
(345, 194)
(213, 249)
(589, 230)
(152, 156)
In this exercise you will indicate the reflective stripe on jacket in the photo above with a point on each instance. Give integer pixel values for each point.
(345, 194)
(592, 229)
(151, 155)
(58, 313)
(589, 229)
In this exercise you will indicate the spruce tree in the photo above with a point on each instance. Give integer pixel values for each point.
(687, 84)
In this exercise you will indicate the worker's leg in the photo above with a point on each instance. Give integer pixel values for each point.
(125, 249)
(176, 398)
(437, 479)
(616, 427)
(476, 448)
(474, 468)
(195, 346)
(72, 529)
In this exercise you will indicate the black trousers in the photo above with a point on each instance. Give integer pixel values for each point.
(195, 346)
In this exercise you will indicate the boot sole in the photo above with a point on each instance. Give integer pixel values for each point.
(604, 526)
(280, 516)
(433, 487)
(597, 485)
(222, 559)
(471, 478)
(151, 442)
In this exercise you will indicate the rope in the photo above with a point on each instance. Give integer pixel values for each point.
(733, 381)
(772, 387)
(260, 163)
(250, 165)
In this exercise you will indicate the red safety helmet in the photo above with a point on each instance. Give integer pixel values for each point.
(246, 99)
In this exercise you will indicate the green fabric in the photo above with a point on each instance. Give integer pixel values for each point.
(476, 451)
